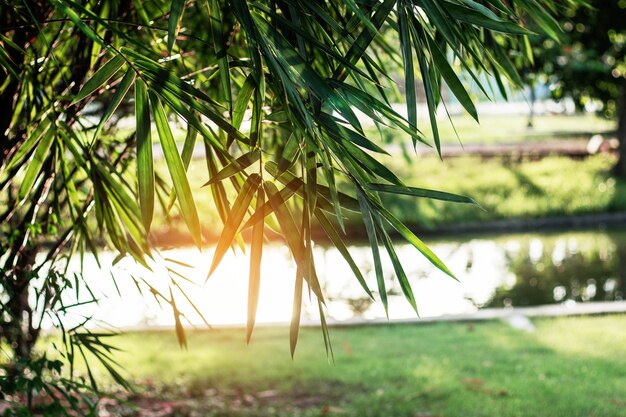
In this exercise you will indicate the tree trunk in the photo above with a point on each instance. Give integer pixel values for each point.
(620, 167)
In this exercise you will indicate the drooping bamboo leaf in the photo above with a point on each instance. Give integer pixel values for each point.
(239, 209)
(177, 170)
(243, 98)
(397, 265)
(42, 152)
(409, 72)
(341, 247)
(429, 88)
(422, 192)
(292, 234)
(236, 166)
(371, 235)
(100, 77)
(326, 333)
(188, 149)
(173, 24)
(412, 239)
(256, 253)
(80, 24)
(180, 331)
(117, 98)
(220, 48)
(145, 164)
(29, 144)
(459, 91)
(294, 327)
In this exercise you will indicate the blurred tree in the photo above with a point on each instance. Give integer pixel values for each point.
(271, 90)
(589, 62)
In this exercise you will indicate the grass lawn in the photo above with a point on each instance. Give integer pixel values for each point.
(553, 186)
(512, 128)
(569, 367)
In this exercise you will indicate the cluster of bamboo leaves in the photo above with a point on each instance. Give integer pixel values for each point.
(273, 90)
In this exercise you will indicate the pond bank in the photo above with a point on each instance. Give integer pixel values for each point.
(599, 221)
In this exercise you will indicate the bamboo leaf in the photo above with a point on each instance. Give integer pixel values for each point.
(371, 235)
(117, 98)
(235, 167)
(145, 167)
(412, 239)
(341, 247)
(173, 24)
(409, 72)
(294, 327)
(422, 192)
(242, 101)
(34, 170)
(292, 234)
(239, 209)
(177, 170)
(188, 148)
(256, 252)
(397, 265)
(452, 80)
(220, 50)
(100, 77)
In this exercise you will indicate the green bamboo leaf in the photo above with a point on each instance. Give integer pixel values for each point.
(286, 193)
(289, 154)
(100, 77)
(7, 64)
(294, 327)
(34, 170)
(486, 20)
(243, 98)
(239, 209)
(235, 167)
(188, 148)
(397, 265)
(409, 71)
(217, 190)
(345, 201)
(291, 232)
(411, 238)
(359, 46)
(340, 133)
(145, 167)
(180, 330)
(429, 88)
(220, 49)
(62, 5)
(117, 98)
(173, 24)
(371, 235)
(29, 144)
(177, 170)
(256, 253)
(459, 91)
(341, 247)
(422, 192)
(326, 333)
(190, 117)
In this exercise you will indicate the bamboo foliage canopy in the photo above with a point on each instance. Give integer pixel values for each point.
(275, 90)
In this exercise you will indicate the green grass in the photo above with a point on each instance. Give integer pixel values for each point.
(569, 367)
(554, 186)
(513, 128)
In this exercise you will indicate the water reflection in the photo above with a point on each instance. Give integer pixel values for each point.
(518, 270)
(566, 269)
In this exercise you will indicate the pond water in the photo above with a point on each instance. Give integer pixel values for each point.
(492, 271)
